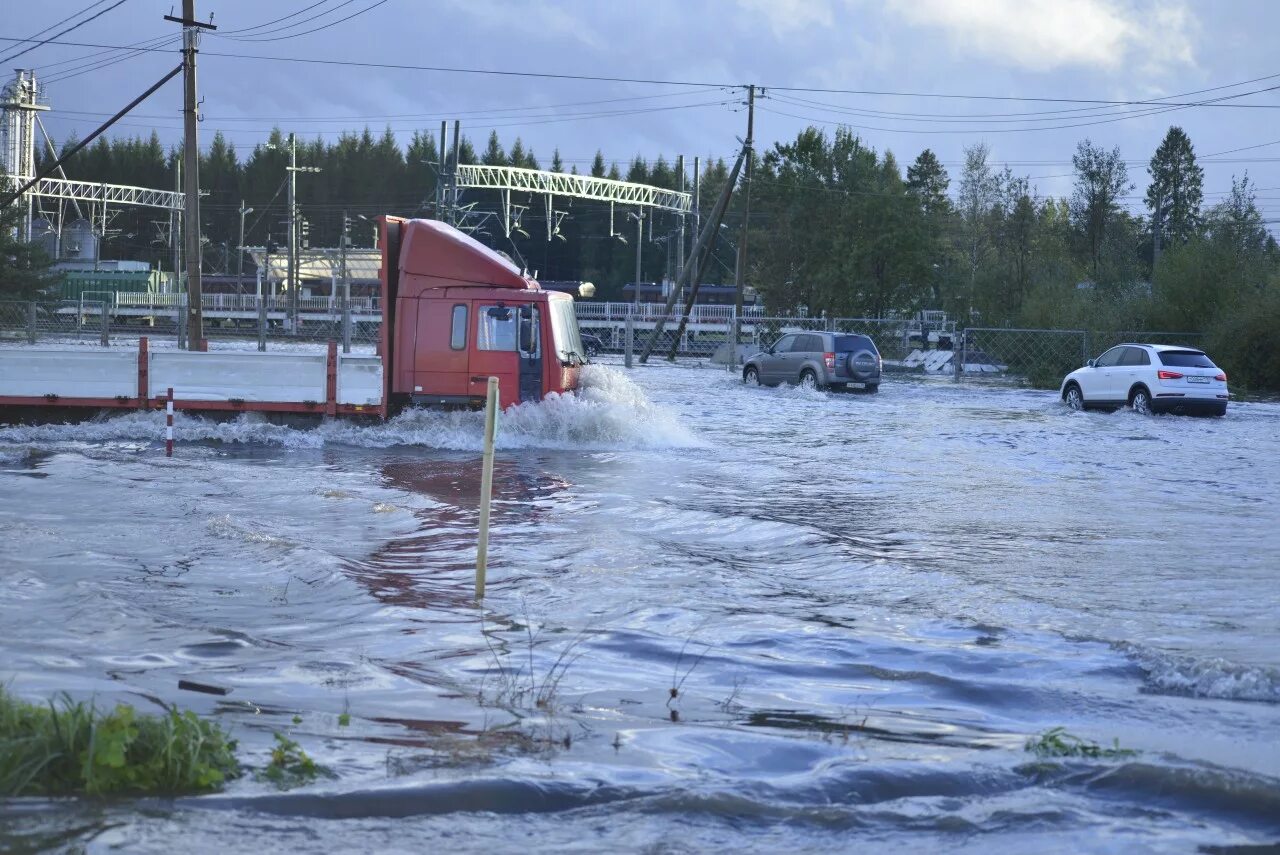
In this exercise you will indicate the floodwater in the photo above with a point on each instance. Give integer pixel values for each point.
(718, 617)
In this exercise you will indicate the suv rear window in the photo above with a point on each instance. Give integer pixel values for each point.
(1186, 359)
(852, 343)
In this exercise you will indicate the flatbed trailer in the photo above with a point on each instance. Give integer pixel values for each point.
(454, 314)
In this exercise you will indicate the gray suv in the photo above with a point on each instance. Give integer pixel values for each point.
(817, 359)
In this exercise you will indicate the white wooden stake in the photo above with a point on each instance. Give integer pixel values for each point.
(486, 485)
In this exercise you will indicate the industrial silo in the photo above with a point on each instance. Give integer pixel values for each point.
(79, 243)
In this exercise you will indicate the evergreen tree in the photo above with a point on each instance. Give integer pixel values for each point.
(24, 267)
(493, 153)
(557, 165)
(927, 183)
(1175, 193)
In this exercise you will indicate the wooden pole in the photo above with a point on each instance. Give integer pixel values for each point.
(486, 485)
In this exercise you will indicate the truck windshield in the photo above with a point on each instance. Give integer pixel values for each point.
(564, 327)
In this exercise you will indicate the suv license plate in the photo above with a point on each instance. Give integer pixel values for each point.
(1197, 379)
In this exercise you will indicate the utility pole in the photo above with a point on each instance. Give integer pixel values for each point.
(440, 167)
(740, 267)
(453, 172)
(175, 227)
(680, 243)
(191, 167)
(639, 216)
(697, 202)
(240, 249)
(346, 283)
(292, 275)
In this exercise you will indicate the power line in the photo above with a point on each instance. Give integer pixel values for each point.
(316, 30)
(226, 33)
(715, 84)
(519, 122)
(70, 17)
(50, 40)
(95, 65)
(479, 114)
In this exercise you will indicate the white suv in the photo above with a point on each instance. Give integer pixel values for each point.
(1151, 378)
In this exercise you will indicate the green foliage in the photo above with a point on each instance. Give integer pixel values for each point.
(290, 766)
(1101, 179)
(1245, 341)
(73, 748)
(1057, 742)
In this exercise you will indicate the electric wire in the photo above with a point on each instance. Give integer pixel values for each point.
(304, 9)
(76, 26)
(254, 38)
(479, 114)
(716, 84)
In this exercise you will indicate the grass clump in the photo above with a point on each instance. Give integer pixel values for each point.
(68, 747)
(290, 766)
(1057, 742)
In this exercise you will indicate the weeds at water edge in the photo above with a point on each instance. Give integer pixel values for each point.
(290, 766)
(1057, 742)
(72, 748)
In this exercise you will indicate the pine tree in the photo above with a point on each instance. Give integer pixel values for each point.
(557, 165)
(493, 154)
(24, 267)
(1175, 194)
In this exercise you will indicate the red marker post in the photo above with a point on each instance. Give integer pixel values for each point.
(168, 424)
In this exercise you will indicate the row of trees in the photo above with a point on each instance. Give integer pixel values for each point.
(836, 227)
(361, 174)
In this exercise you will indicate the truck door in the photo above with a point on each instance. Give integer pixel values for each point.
(530, 350)
(494, 352)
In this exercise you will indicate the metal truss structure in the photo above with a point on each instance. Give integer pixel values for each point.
(578, 186)
(509, 179)
(111, 194)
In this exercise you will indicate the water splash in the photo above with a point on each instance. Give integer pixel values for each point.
(609, 412)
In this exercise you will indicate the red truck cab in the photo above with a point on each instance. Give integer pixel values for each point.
(456, 313)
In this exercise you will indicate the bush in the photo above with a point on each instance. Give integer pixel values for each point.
(1245, 341)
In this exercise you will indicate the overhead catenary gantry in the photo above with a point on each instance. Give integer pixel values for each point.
(509, 179)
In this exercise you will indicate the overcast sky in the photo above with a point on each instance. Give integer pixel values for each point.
(1082, 49)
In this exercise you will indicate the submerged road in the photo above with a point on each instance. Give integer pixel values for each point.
(718, 617)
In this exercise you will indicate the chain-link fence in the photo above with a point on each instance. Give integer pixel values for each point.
(924, 343)
(1035, 356)
(1102, 340)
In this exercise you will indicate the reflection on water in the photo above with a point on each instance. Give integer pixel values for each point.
(717, 616)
